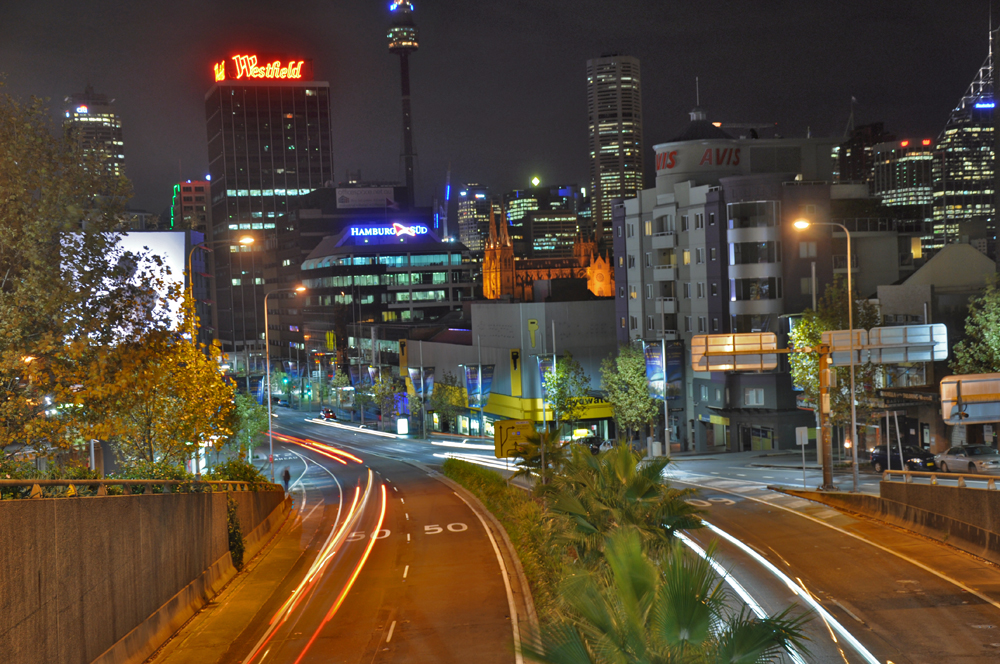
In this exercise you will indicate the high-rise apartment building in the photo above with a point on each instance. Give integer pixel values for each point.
(963, 169)
(614, 107)
(91, 119)
(474, 209)
(189, 206)
(269, 143)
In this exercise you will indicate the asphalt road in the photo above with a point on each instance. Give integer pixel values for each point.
(385, 564)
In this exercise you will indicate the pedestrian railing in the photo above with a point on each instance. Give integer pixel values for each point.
(935, 478)
(36, 488)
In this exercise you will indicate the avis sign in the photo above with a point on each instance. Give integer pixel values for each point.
(698, 157)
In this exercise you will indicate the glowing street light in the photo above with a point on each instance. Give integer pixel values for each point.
(803, 224)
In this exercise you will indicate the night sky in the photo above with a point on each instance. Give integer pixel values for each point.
(499, 86)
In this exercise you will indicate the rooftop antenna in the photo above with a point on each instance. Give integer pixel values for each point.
(697, 92)
(850, 120)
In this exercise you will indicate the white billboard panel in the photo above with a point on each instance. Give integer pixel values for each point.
(734, 352)
(979, 395)
(908, 343)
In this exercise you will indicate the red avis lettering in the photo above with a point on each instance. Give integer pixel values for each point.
(722, 157)
(666, 160)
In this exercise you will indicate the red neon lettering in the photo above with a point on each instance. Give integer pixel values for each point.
(706, 158)
(246, 67)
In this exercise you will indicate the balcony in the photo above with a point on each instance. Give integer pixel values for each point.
(840, 263)
(664, 240)
(667, 335)
(664, 273)
(666, 305)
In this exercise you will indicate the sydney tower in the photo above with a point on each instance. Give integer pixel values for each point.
(402, 41)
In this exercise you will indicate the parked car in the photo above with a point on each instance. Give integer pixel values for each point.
(969, 459)
(328, 414)
(914, 457)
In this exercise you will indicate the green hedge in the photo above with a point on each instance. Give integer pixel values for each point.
(531, 531)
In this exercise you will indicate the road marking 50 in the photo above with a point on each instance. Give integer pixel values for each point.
(359, 535)
(708, 503)
(434, 529)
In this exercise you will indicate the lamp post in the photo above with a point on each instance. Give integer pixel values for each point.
(803, 224)
(267, 376)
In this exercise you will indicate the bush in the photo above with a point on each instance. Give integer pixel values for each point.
(238, 470)
(157, 470)
(236, 545)
(532, 531)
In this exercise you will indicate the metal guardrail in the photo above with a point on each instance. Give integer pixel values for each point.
(100, 487)
(908, 476)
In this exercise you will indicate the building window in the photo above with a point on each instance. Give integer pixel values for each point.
(718, 395)
(632, 294)
(755, 214)
(650, 324)
(687, 323)
(701, 289)
(699, 221)
(631, 230)
(744, 253)
(711, 219)
(621, 291)
(704, 392)
(687, 290)
(807, 250)
(703, 324)
(623, 322)
(619, 230)
(649, 227)
(649, 259)
(649, 291)
(765, 288)
(753, 396)
(621, 261)
(686, 257)
(699, 254)
(631, 261)
(715, 289)
(807, 285)
(633, 322)
(712, 253)
(809, 209)
(684, 222)
(715, 328)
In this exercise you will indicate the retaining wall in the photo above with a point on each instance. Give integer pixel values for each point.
(99, 578)
(964, 517)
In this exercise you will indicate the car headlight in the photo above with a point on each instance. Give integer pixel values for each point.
(915, 460)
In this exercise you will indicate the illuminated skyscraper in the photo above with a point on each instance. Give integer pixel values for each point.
(92, 120)
(963, 167)
(269, 143)
(475, 209)
(403, 41)
(614, 105)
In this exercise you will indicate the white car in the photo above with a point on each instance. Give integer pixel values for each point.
(969, 459)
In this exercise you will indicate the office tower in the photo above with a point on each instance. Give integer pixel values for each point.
(269, 143)
(189, 208)
(614, 106)
(92, 120)
(474, 209)
(902, 180)
(402, 42)
(856, 154)
(544, 198)
(963, 169)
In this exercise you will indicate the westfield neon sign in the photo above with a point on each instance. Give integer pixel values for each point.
(245, 66)
(396, 230)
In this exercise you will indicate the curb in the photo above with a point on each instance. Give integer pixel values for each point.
(522, 580)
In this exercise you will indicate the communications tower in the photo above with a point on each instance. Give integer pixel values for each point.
(403, 41)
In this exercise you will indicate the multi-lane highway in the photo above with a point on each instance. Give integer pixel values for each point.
(380, 563)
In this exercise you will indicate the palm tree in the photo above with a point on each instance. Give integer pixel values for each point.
(637, 611)
(614, 489)
(530, 455)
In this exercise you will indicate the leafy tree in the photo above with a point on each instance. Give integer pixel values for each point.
(979, 351)
(340, 381)
(831, 314)
(615, 489)
(637, 610)
(626, 388)
(66, 291)
(567, 389)
(385, 393)
(447, 400)
(249, 425)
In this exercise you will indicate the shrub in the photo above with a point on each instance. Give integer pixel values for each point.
(236, 545)
(238, 470)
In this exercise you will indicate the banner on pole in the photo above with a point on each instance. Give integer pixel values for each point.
(472, 385)
(673, 365)
(654, 370)
(486, 385)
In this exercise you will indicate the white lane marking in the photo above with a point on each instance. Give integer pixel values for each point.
(901, 556)
(768, 477)
(807, 597)
(734, 584)
(407, 537)
(318, 505)
(740, 475)
(518, 659)
(407, 516)
(402, 500)
(392, 628)
(849, 612)
(406, 571)
(395, 489)
(827, 514)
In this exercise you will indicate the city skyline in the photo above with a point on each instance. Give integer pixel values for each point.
(818, 59)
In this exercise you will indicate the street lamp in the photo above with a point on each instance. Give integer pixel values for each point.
(267, 361)
(207, 246)
(801, 225)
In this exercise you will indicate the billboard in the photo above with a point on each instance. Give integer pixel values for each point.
(366, 197)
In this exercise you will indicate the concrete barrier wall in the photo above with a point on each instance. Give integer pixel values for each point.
(77, 575)
(966, 518)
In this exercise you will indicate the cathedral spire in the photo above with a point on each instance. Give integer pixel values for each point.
(504, 238)
(492, 242)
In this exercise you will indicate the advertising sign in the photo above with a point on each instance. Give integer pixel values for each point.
(654, 369)
(486, 384)
(366, 197)
(674, 366)
(544, 370)
(261, 67)
(425, 387)
(354, 373)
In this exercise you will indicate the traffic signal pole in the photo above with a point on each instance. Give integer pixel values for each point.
(824, 436)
